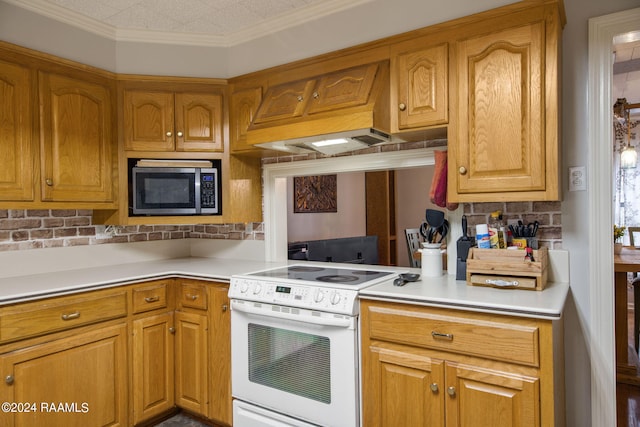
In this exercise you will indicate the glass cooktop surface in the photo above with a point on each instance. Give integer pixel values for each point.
(337, 275)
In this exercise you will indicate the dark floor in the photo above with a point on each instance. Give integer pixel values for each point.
(628, 396)
(181, 420)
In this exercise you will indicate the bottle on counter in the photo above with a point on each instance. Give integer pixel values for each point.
(482, 236)
(497, 231)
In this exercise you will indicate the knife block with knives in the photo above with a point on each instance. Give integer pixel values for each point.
(464, 244)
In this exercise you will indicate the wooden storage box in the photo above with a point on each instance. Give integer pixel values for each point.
(507, 268)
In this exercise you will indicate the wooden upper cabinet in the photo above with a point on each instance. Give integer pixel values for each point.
(244, 104)
(421, 97)
(285, 101)
(76, 139)
(199, 119)
(16, 145)
(321, 94)
(148, 121)
(343, 89)
(504, 144)
(167, 121)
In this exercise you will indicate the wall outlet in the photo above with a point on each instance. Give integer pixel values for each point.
(577, 178)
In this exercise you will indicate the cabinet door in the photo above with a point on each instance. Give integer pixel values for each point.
(422, 87)
(486, 398)
(402, 387)
(244, 104)
(75, 131)
(500, 134)
(153, 377)
(342, 89)
(148, 121)
(221, 405)
(85, 373)
(198, 122)
(16, 145)
(191, 367)
(285, 101)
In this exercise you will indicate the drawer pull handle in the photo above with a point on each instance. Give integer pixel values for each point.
(434, 387)
(452, 391)
(440, 335)
(70, 316)
(152, 299)
(192, 297)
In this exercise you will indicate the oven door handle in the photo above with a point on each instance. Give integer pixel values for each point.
(323, 321)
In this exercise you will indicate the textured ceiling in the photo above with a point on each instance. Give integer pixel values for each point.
(213, 22)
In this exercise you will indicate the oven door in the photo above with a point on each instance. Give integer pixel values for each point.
(296, 362)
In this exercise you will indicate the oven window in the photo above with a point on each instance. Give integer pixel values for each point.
(294, 362)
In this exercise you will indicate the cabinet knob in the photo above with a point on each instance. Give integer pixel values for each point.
(9, 379)
(316, 95)
(434, 387)
(451, 391)
(225, 307)
(180, 134)
(169, 134)
(300, 98)
(49, 182)
(402, 107)
(172, 330)
(462, 170)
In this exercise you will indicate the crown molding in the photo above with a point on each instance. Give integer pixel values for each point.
(264, 28)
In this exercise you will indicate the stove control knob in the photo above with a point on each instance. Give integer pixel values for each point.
(244, 286)
(319, 296)
(257, 288)
(335, 298)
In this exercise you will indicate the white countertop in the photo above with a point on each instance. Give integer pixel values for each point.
(35, 286)
(448, 292)
(441, 291)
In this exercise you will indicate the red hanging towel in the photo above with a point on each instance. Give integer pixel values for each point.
(438, 192)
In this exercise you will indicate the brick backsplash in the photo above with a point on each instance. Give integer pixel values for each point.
(548, 215)
(44, 228)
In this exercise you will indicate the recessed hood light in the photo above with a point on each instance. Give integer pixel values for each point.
(334, 143)
(327, 142)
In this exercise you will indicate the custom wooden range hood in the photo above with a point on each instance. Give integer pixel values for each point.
(340, 111)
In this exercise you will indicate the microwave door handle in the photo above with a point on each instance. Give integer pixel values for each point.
(322, 321)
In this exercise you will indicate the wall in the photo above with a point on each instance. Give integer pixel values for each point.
(348, 221)
(373, 21)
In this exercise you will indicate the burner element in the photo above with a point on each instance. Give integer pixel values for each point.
(302, 268)
(367, 273)
(336, 278)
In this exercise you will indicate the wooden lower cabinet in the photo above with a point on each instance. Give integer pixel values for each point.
(417, 372)
(152, 366)
(80, 380)
(191, 365)
(118, 357)
(220, 403)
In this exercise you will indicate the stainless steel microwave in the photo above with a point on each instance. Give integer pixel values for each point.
(176, 191)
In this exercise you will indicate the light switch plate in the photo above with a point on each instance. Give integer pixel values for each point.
(577, 178)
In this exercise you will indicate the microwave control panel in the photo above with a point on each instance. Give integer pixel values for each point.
(209, 190)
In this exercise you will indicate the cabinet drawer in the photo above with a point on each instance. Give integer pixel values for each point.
(56, 314)
(193, 295)
(474, 334)
(150, 297)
